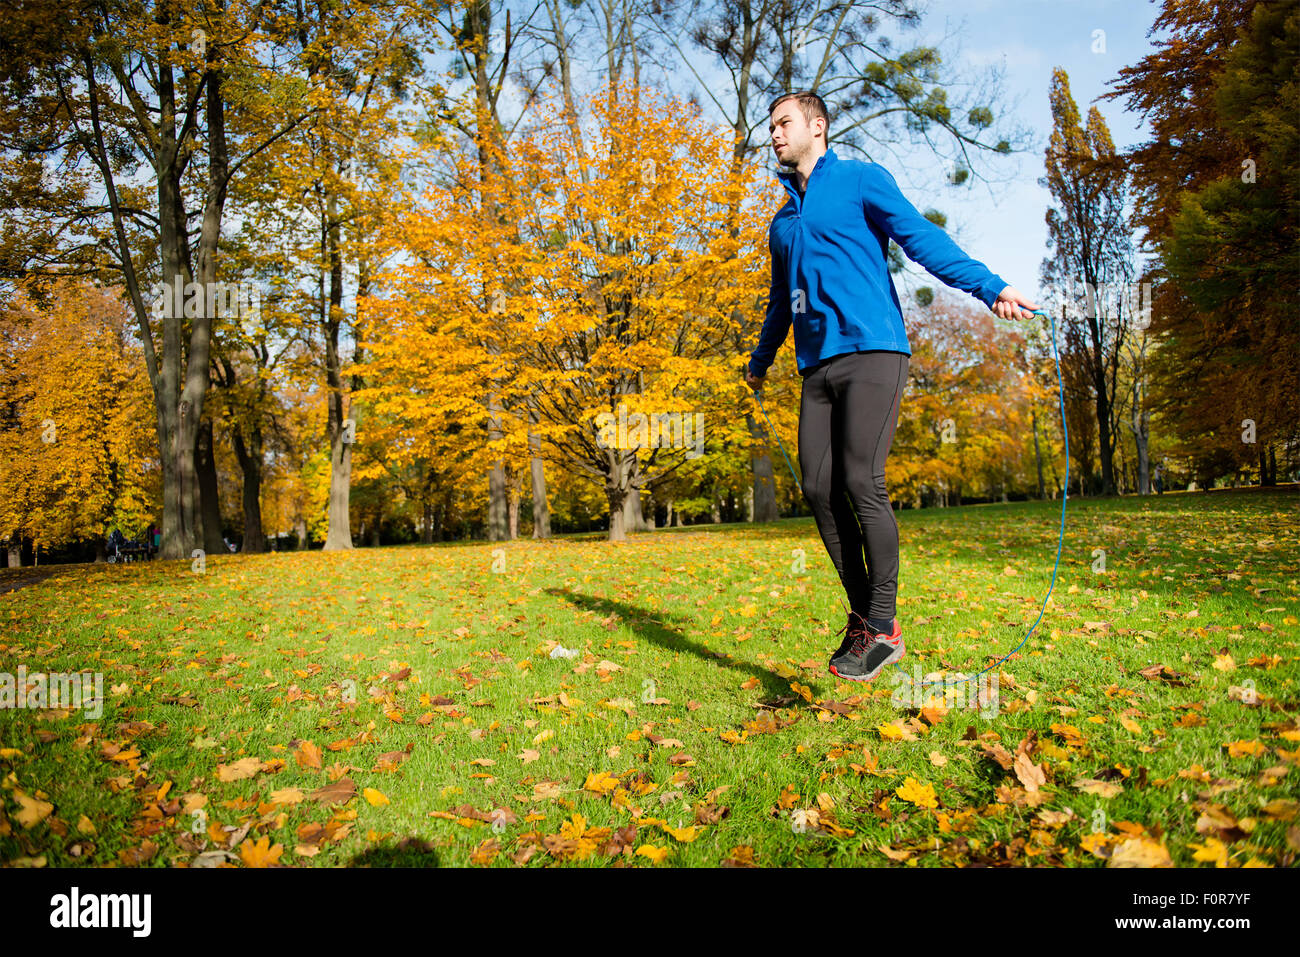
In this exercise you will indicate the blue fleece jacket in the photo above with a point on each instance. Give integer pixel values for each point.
(830, 272)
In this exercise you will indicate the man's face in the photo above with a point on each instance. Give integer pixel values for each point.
(792, 136)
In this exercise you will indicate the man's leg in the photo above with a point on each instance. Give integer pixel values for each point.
(870, 386)
(820, 419)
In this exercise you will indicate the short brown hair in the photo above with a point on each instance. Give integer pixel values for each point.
(810, 105)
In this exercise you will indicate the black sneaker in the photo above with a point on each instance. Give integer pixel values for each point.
(869, 655)
(855, 628)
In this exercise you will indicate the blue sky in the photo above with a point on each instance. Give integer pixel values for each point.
(1003, 225)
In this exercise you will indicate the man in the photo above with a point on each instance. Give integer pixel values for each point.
(830, 277)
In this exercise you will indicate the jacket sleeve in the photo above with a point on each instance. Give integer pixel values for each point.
(923, 241)
(776, 325)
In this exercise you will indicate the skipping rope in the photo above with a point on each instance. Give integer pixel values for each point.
(1065, 494)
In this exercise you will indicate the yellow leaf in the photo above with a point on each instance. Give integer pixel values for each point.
(376, 798)
(1139, 852)
(922, 795)
(31, 811)
(1246, 749)
(683, 834)
(260, 854)
(601, 783)
(656, 854)
(1212, 850)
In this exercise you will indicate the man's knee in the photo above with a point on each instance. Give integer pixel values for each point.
(817, 495)
(867, 491)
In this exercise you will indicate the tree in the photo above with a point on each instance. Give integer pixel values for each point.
(76, 452)
(967, 409)
(113, 87)
(1092, 266)
(1216, 191)
(603, 288)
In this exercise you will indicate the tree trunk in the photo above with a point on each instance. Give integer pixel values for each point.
(250, 465)
(303, 539)
(1141, 439)
(616, 497)
(764, 478)
(512, 506)
(633, 519)
(342, 431)
(498, 520)
(1038, 455)
(339, 535)
(209, 501)
(541, 512)
(616, 492)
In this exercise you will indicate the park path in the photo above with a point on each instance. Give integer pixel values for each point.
(11, 581)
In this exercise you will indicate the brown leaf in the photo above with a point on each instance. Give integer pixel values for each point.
(239, 770)
(340, 792)
(308, 756)
(1029, 773)
(999, 754)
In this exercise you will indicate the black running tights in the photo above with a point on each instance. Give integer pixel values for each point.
(847, 415)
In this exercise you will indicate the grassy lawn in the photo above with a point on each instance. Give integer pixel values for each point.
(402, 705)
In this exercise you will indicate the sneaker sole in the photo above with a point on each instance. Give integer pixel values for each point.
(879, 668)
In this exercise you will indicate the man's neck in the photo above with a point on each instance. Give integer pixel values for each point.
(805, 168)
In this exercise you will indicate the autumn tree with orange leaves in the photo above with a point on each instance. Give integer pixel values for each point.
(78, 454)
(606, 284)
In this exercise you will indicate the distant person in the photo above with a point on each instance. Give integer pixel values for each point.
(1160, 479)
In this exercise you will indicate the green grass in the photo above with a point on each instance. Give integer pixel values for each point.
(718, 626)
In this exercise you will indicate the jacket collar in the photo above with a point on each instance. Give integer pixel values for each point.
(788, 176)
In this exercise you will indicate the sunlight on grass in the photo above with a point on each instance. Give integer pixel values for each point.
(411, 705)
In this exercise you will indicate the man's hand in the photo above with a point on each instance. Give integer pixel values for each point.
(753, 381)
(1012, 304)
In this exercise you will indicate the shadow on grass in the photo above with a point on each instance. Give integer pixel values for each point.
(408, 852)
(658, 628)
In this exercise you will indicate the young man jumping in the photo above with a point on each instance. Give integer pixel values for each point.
(830, 276)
